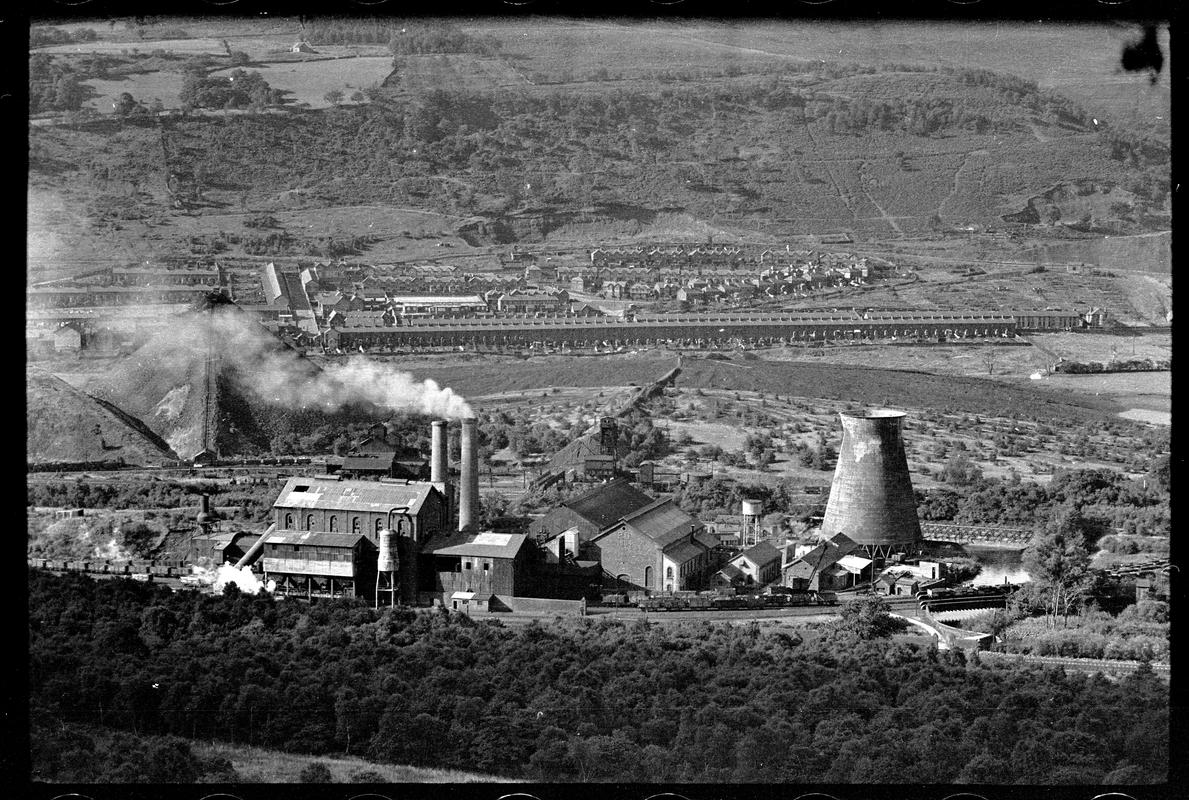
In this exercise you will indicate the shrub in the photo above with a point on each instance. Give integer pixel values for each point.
(316, 772)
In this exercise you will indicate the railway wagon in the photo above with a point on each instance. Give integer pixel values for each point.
(723, 602)
(964, 597)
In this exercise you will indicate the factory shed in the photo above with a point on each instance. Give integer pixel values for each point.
(313, 564)
(415, 511)
(484, 564)
(369, 465)
(592, 512)
(815, 570)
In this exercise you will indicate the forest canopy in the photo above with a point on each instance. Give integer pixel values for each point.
(592, 700)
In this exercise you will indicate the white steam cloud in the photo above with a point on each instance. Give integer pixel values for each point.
(275, 375)
(227, 574)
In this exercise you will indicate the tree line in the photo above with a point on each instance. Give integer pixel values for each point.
(1106, 498)
(591, 700)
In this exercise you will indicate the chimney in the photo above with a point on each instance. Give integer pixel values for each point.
(871, 499)
(468, 478)
(437, 457)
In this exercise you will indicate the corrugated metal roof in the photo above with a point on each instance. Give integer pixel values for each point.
(489, 545)
(319, 493)
(315, 538)
(854, 564)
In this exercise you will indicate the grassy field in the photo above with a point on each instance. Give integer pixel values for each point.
(888, 387)
(1143, 390)
(495, 375)
(422, 73)
(257, 765)
(309, 81)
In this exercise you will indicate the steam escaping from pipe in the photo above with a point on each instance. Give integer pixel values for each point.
(227, 574)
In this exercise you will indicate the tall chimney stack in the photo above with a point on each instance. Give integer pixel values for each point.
(437, 455)
(468, 478)
(871, 499)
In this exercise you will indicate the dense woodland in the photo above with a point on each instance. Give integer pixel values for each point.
(589, 701)
(1108, 500)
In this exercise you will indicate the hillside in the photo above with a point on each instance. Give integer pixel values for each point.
(65, 425)
(759, 134)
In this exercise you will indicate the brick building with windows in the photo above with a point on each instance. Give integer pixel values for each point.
(657, 548)
(351, 509)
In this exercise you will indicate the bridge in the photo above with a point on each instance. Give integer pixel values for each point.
(976, 534)
(680, 329)
(948, 636)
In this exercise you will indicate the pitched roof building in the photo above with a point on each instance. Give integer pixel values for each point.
(657, 547)
(353, 508)
(592, 512)
(759, 564)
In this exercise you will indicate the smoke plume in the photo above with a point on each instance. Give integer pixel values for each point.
(273, 372)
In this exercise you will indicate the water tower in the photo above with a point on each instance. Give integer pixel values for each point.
(750, 533)
(871, 498)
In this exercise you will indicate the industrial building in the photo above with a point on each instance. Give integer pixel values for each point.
(310, 564)
(831, 565)
(656, 547)
(760, 328)
(592, 512)
(318, 524)
(758, 565)
(398, 542)
(327, 533)
(871, 497)
(593, 457)
(481, 566)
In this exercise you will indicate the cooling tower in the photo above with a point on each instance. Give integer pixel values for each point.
(437, 453)
(871, 499)
(468, 477)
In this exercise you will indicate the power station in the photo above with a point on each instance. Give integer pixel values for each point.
(871, 498)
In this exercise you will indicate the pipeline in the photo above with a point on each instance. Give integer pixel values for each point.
(254, 551)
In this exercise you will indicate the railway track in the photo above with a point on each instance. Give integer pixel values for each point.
(1081, 664)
